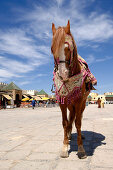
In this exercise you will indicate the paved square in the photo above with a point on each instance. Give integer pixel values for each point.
(32, 139)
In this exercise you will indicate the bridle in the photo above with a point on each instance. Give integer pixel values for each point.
(69, 42)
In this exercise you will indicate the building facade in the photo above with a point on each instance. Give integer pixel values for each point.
(31, 92)
(11, 95)
(109, 97)
(106, 97)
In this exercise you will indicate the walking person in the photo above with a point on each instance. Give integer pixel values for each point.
(102, 103)
(99, 103)
(33, 103)
(47, 103)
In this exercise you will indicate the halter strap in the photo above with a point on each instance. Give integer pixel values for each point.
(69, 42)
(66, 61)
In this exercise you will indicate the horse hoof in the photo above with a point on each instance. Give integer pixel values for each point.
(64, 155)
(82, 155)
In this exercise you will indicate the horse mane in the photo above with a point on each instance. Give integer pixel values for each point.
(76, 66)
(57, 42)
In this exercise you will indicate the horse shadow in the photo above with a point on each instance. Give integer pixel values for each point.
(91, 142)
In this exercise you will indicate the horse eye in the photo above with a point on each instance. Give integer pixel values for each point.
(66, 46)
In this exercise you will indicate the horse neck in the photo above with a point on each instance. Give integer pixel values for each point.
(75, 69)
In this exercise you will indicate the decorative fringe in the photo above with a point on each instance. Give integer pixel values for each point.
(76, 93)
(70, 97)
(59, 98)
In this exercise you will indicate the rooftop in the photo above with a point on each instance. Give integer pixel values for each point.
(42, 92)
(11, 86)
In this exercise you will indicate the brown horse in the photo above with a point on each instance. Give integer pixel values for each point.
(68, 72)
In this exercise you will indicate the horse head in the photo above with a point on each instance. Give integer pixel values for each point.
(64, 51)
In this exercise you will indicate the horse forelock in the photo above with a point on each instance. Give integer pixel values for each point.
(57, 41)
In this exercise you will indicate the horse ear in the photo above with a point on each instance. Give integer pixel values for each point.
(67, 29)
(53, 28)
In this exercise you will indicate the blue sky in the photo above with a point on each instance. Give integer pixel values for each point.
(25, 40)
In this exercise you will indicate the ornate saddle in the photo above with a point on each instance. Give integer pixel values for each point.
(71, 89)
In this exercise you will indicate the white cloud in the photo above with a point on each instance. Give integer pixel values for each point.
(10, 68)
(96, 27)
(36, 24)
(104, 59)
(44, 49)
(7, 74)
(16, 42)
(92, 59)
(41, 75)
(27, 55)
(15, 66)
(59, 2)
(31, 41)
(24, 82)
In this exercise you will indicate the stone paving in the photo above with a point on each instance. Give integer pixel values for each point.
(32, 139)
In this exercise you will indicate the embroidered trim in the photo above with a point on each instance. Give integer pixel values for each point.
(70, 89)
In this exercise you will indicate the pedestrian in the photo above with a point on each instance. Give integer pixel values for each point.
(47, 103)
(38, 103)
(102, 103)
(33, 103)
(99, 103)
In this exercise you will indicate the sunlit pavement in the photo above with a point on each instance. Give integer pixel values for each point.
(32, 139)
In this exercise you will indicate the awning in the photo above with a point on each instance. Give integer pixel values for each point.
(25, 99)
(31, 99)
(38, 98)
(45, 98)
(24, 95)
(7, 96)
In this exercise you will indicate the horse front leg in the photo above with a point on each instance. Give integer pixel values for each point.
(71, 120)
(64, 151)
(78, 120)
